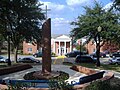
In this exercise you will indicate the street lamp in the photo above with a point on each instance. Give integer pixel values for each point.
(72, 41)
(99, 29)
(80, 47)
(98, 45)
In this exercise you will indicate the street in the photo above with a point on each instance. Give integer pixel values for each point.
(56, 60)
(56, 65)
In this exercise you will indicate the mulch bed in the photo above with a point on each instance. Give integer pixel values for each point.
(52, 75)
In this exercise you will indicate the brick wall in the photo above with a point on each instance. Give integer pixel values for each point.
(28, 48)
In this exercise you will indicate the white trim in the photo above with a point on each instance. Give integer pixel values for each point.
(65, 47)
(54, 46)
(64, 39)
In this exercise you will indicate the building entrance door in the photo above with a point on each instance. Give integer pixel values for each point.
(62, 51)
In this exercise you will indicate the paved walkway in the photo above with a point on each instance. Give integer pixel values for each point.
(20, 74)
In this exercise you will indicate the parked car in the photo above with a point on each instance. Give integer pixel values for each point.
(85, 58)
(73, 54)
(115, 54)
(39, 54)
(101, 55)
(28, 60)
(114, 60)
(3, 59)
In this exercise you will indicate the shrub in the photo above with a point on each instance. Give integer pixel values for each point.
(99, 85)
(112, 84)
(59, 84)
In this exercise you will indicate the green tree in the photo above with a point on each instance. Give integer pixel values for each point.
(116, 4)
(97, 24)
(23, 20)
(1, 42)
(81, 48)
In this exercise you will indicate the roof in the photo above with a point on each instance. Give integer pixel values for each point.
(54, 36)
(63, 38)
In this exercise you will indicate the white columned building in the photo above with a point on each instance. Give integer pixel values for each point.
(61, 45)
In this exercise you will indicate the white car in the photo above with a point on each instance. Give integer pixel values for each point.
(114, 60)
(3, 59)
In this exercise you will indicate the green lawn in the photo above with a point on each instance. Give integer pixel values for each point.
(2, 65)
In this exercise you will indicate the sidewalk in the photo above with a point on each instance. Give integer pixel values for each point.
(20, 74)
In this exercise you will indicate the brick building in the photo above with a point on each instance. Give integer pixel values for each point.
(29, 48)
(62, 44)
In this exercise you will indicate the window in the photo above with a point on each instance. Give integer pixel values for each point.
(30, 49)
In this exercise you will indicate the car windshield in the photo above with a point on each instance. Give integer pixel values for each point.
(1, 57)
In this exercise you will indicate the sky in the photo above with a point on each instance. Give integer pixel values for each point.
(63, 12)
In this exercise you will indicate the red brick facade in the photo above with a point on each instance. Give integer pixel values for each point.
(28, 48)
(60, 46)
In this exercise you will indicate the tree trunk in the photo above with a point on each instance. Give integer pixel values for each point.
(1, 44)
(9, 61)
(16, 53)
(98, 55)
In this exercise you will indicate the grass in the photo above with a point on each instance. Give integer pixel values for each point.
(2, 65)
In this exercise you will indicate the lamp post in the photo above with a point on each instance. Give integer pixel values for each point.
(8, 40)
(72, 41)
(99, 29)
(80, 47)
(98, 45)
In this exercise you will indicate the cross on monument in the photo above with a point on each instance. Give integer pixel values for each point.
(46, 11)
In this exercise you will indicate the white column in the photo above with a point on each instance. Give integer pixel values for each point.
(54, 47)
(70, 46)
(65, 47)
(59, 49)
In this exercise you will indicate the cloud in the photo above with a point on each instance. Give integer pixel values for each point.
(60, 25)
(59, 21)
(108, 6)
(76, 2)
(52, 6)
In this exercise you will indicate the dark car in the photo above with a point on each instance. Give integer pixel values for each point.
(28, 60)
(84, 59)
(115, 54)
(39, 54)
(101, 55)
(3, 59)
(73, 54)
